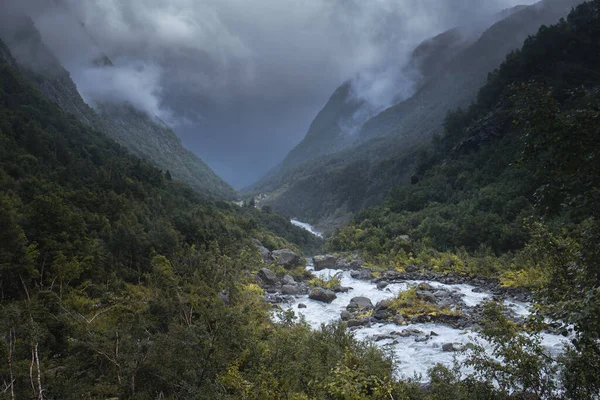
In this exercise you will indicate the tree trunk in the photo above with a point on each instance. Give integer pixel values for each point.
(39, 374)
(11, 334)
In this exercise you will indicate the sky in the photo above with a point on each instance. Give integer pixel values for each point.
(240, 81)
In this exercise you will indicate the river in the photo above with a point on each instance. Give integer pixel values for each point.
(413, 357)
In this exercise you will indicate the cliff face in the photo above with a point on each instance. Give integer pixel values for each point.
(143, 135)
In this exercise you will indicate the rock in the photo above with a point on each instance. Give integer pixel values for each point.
(345, 315)
(289, 289)
(360, 303)
(286, 258)
(383, 305)
(324, 295)
(449, 347)
(424, 286)
(432, 333)
(357, 322)
(421, 339)
(412, 332)
(341, 289)
(361, 274)
(398, 320)
(288, 280)
(265, 253)
(301, 305)
(350, 263)
(381, 337)
(442, 294)
(323, 262)
(411, 268)
(382, 285)
(426, 296)
(268, 276)
(382, 315)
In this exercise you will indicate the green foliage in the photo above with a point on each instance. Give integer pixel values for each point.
(408, 305)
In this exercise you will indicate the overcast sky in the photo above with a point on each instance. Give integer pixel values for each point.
(241, 80)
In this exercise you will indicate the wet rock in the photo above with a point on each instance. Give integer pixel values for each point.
(379, 338)
(301, 305)
(383, 305)
(399, 320)
(391, 275)
(382, 285)
(288, 280)
(360, 303)
(421, 339)
(449, 347)
(412, 332)
(432, 333)
(341, 289)
(289, 289)
(268, 276)
(358, 322)
(324, 261)
(345, 315)
(286, 258)
(424, 286)
(382, 315)
(361, 274)
(442, 294)
(324, 295)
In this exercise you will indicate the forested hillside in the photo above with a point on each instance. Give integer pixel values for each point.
(511, 190)
(143, 135)
(330, 188)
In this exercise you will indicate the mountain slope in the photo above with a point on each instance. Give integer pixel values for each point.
(142, 135)
(330, 188)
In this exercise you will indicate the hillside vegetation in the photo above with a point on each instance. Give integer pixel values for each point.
(511, 191)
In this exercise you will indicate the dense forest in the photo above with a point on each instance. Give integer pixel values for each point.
(511, 189)
(118, 282)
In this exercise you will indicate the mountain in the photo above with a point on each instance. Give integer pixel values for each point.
(328, 189)
(143, 135)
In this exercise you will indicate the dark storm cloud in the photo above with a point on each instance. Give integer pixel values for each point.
(241, 80)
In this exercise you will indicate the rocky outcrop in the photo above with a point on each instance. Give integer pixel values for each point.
(286, 258)
(324, 295)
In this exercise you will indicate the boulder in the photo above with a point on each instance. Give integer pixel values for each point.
(361, 274)
(288, 280)
(324, 295)
(345, 315)
(358, 322)
(301, 305)
(382, 285)
(350, 263)
(382, 315)
(383, 305)
(449, 347)
(265, 253)
(399, 320)
(324, 261)
(286, 258)
(341, 289)
(268, 276)
(426, 296)
(360, 303)
(424, 286)
(289, 289)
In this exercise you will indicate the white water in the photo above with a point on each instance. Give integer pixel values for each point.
(413, 357)
(308, 227)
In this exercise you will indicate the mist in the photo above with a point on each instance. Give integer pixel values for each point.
(240, 81)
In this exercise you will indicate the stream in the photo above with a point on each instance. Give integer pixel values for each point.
(414, 357)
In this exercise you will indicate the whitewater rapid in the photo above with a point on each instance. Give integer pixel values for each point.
(413, 358)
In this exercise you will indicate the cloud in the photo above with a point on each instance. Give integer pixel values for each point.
(255, 71)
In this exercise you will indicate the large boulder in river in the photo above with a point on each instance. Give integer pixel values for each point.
(360, 303)
(324, 295)
(268, 276)
(323, 262)
(286, 258)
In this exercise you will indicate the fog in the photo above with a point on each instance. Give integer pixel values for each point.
(240, 81)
